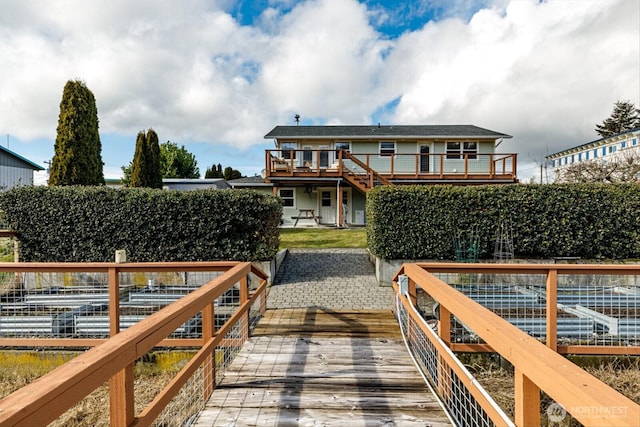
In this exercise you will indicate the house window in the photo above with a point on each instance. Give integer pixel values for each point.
(342, 146)
(634, 141)
(595, 153)
(623, 144)
(288, 197)
(612, 149)
(573, 158)
(586, 155)
(387, 148)
(287, 148)
(579, 157)
(470, 149)
(453, 150)
(457, 150)
(604, 151)
(553, 163)
(325, 199)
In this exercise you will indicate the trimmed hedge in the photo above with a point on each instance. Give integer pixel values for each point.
(570, 220)
(82, 224)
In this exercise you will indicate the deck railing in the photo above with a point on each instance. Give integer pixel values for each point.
(537, 367)
(324, 162)
(112, 360)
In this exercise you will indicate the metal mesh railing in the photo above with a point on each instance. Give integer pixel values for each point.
(442, 371)
(186, 406)
(76, 305)
(591, 309)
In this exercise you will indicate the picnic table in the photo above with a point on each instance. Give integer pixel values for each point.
(306, 214)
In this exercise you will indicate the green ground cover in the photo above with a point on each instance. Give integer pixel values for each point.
(323, 238)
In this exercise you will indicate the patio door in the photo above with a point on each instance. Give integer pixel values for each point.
(327, 201)
(424, 158)
(324, 156)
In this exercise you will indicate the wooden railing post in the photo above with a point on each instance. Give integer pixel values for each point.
(527, 401)
(114, 301)
(444, 325)
(209, 366)
(552, 309)
(244, 297)
(121, 399)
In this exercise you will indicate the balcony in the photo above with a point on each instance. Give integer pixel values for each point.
(393, 168)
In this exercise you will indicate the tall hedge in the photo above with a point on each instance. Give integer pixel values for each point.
(66, 224)
(572, 220)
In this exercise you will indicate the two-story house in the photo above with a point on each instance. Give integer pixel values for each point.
(614, 147)
(325, 171)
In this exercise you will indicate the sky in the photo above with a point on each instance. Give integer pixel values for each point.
(216, 76)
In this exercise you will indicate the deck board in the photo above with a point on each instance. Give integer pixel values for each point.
(308, 375)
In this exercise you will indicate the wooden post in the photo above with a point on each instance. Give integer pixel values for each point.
(244, 297)
(16, 250)
(413, 294)
(121, 399)
(527, 401)
(444, 325)
(552, 309)
(208, 332)
(114, 301)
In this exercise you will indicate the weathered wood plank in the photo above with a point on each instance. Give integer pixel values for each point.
(289, 380)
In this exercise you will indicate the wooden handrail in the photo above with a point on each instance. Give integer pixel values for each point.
(46, 398)
(536, 365)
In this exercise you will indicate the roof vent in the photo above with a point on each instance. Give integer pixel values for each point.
(297, 119)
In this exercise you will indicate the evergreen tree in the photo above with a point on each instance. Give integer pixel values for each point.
(625, 116)
(230, 173)
(77, 156)
(214, 172)
(145, 168)
(139, 164)
(153, 157)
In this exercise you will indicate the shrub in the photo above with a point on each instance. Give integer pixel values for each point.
(65, 224)
(577, 220)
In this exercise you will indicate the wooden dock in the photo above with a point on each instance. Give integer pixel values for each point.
(323, 367)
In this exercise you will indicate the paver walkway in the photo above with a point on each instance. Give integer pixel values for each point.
(328, 278)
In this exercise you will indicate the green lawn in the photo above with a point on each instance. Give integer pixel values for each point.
(322, 238)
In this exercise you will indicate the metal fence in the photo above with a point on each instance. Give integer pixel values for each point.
(591, 309)
(209, 308)
(76, 305)
(458, 391)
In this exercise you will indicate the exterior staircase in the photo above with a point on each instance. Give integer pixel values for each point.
(359, 174)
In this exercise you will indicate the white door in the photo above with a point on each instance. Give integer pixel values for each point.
(327, 202)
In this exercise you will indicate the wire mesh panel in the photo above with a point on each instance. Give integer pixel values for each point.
(590, 309)
(185, 407)
(458, 400)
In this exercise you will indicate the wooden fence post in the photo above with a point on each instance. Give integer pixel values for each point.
(244, 297)
(209, 366)
(114, 301)
(552, 309)
(527, 401)
(121, 399)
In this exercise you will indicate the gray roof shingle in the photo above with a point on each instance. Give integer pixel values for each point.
(390, 131)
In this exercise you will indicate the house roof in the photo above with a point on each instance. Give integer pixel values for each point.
(594, 143)
(17, 156)
(249, 181)
(382, 132)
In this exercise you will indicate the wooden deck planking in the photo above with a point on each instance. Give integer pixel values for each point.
(307, 375)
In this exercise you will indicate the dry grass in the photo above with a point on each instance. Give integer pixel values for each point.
(622, 374)
(18, 369)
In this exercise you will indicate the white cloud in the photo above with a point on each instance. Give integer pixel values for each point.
(545, 72)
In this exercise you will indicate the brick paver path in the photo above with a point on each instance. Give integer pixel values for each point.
(328, 278)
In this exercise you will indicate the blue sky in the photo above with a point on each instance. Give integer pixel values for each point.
(216, 76)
